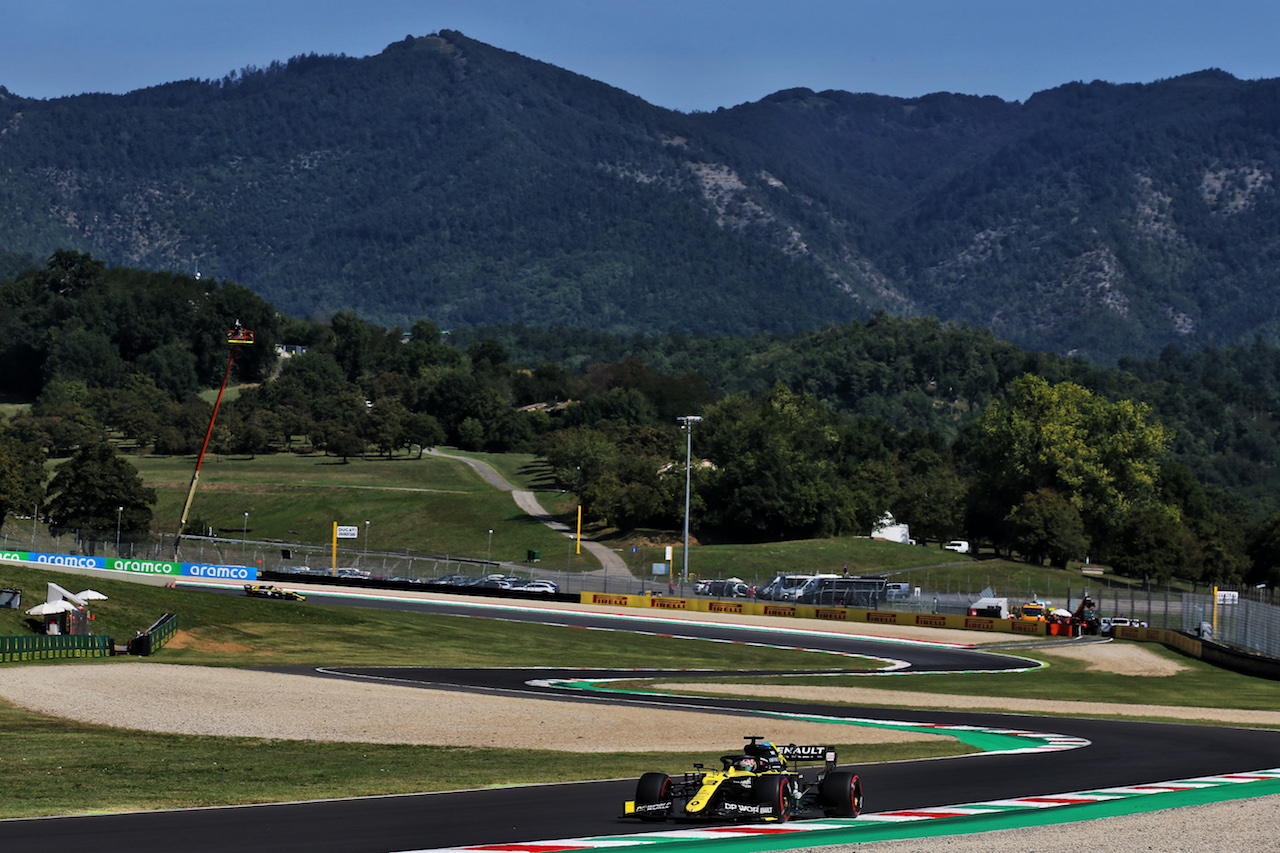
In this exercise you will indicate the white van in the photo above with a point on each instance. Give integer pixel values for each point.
(787, 587)
(960, 546)
(897, 590)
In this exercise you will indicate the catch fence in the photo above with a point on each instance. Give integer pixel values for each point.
(1244, 618)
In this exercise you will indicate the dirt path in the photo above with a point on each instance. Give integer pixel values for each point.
(612, 566)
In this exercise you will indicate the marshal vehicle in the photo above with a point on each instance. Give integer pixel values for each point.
(761, 783)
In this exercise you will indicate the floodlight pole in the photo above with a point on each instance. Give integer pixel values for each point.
(688, 421)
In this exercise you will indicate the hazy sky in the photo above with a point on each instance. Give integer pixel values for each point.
(681, 54)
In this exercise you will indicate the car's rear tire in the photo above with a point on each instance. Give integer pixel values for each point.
(653, 788)
(841, 794)
(772, 790)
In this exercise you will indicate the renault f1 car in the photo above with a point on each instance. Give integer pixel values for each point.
(269, 591)
(758, 784)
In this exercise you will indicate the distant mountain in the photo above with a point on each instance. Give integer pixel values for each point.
(448, 180)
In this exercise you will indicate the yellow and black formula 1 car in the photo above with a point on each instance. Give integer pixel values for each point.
(269, 591)
(757, 784)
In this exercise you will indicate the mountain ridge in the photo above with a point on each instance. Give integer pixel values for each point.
(450, 180)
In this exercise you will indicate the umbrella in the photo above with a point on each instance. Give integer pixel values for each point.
(50, 607)
(1062, 611)
(91, 595)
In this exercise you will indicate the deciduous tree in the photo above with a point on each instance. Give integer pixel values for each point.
(1047, 525)
(1103, 457)
(1153, 543)
(95, 490)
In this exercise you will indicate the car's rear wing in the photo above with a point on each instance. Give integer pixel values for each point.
(808, 754)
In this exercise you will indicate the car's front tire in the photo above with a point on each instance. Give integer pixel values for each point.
(653, 788)
(841, 794)
(772, 790)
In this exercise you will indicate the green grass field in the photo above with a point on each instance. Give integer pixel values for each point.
(53, 766)
(442, 507)
(438, 505)
(63, 767)
(428, 505)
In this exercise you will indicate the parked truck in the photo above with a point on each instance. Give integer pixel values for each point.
(1033, 611)
(996, 608)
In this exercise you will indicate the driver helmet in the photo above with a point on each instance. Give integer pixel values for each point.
(746, 763)
(770, 756)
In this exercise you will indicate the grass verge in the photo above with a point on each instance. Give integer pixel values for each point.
(51, 766)
(1197, 685)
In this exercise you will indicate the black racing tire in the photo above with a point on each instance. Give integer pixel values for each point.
(772, 790)
(653, 788)
(841, 794)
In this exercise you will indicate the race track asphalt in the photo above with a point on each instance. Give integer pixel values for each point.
(1121, 753)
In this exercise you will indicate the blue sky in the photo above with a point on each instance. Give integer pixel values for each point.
(681, 54)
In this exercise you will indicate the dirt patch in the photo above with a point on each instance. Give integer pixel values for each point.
(234, 702)
(1119, 658)
(189, 640)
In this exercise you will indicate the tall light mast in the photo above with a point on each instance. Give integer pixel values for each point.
(687, 421)
(236, 336)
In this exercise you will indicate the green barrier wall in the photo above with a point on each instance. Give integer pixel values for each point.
(163, 631)
(15, 649)
(154, 638)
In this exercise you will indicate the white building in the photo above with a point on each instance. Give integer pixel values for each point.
(890, 530)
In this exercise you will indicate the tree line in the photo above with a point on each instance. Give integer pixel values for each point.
(954, 432)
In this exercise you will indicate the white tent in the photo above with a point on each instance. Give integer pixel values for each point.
(57, 593)
(59, 600)
(51, 607)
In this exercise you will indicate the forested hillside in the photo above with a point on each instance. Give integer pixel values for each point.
(919, 374)
(1165, 466)
(449, 181)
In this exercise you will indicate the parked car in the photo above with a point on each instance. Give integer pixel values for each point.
(731, 588)
(354, 573)
(1109, 623)
(960, 546)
